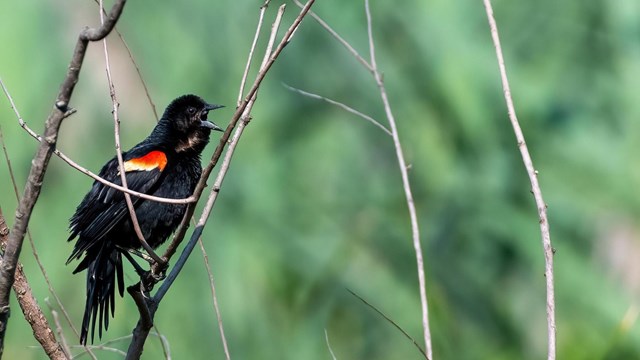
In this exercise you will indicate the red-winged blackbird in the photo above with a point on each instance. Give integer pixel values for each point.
(165, 164)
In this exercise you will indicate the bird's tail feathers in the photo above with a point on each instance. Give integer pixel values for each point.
(102, 273)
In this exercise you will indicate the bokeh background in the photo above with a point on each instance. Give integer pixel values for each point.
(313, 203)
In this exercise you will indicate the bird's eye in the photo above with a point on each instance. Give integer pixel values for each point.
(191, 110)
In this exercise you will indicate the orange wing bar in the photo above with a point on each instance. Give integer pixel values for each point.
(153, 160)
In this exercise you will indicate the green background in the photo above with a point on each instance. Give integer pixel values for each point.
(313, 202)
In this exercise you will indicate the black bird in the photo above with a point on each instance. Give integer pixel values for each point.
(165, 164)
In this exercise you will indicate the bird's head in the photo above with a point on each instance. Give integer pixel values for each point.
(186, 121)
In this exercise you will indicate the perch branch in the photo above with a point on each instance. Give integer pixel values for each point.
(241, 115)
(83, 170)
(116, 131)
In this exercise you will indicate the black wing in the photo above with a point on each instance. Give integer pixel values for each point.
(104, 207)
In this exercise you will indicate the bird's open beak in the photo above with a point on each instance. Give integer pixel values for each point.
(210, 107)
(208, 124)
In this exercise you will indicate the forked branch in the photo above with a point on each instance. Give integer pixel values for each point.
(240, 118)
(372, 67)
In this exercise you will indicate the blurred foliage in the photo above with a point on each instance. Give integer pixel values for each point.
(313, 203)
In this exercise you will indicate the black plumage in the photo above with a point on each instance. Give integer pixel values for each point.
(165, 164)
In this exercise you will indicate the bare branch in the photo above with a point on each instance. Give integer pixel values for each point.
(144, 84)
(535, 187)
(123, 174)
(242, 115)
(32, 312)
(340, 39)
(41, 162)
(34, 250)
(215, 300)
(135, 64)
(391, 322)
(326, 338)
(56, 320)
(164, 343)
(415, 231)
(83, 170)
(340, 105)
(263, 9)
(206, 172)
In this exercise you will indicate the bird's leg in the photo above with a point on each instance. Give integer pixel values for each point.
(147, 277)
(139, 270)
(138, 253)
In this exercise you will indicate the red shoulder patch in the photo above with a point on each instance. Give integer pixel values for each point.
(153, 160)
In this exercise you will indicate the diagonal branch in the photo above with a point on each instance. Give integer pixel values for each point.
(41, 162)
(535, 187)
(216, 307)
(83, 170)
(342, 106)
(241, 117)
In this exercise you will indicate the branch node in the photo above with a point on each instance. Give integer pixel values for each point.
(246, 119)
(61, 105)
(51, 140)
(69, 112)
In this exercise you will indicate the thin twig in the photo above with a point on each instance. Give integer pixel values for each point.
(215, 300)
(31, 310)
(340, 39)
(116, 131)
(415, 230)
(342, 106)
(144, 84)
(83, 170)
(56, 321)
(263, 9)
(141, 331)
(164, 343)
(535, 186)
(391, 322)
(40, 163)
(206, 172)
(326, 338)
(99, 347)
(135, 64)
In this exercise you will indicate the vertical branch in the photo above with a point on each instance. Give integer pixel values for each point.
(41, 161)
(535, 187)
(216, 307)
(415, 230)
(372, 67)
(121, 170)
